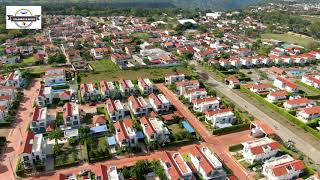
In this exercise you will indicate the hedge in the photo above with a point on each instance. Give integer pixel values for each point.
(231, 129)
(5, 124)
(67, 164)
(282, 112)
(235, 147)
(60, 87)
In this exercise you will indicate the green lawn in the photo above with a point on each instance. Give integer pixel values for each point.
(311, 19)
(30, 60)
(175, 128)
(290, 38)
(107, 70)
(141, 35)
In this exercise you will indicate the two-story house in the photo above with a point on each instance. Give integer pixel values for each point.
(154, 130)
(14, 79)
(174, 77)
(159, 103)
(54, 77)
(145, 85)
(285, 84)
(71, 115)
(309, 113)
(275, 96)
(204, 104)
(220, 117)
(297, 103)
(138, 106)
(175, 167)
(183, 86)
(125, 133)
(108, 89)
(39, 120)
(260, 149)
(45, 96)
(115, 109)
(89, 92)
(193, 94)
(126, 87)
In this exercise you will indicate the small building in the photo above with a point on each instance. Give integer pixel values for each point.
(204, 104)
(232, 82)
(125, 133)
(260, 88)
(221, 116)
(115, 109)
(14, 79)
(297, 103)
(275, 96)
(108, 89)
(183, 86)
(154, 130)
(126, 87)
(160, 104)
(145, 85)
(175, 167)
(260, 129)
(174, 77)
(311, 80)
(260, 149)
(309, 113)
(138, 106)
(39, 120)
(193, 94)
(90, 92)
(45, 96)
(54, 77)
(285, 84)
(282, 168)
(71, 115)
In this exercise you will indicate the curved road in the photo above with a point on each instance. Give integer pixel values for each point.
(284, 132)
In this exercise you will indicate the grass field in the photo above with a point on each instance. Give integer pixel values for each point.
(141, 35)
(29, 61)
(107, 70)
(290, 38)
(312, 19)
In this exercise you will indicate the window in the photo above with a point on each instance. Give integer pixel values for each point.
(25, 158)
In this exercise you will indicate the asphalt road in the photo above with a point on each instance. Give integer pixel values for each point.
(311, 150)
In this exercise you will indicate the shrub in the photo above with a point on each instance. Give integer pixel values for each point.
(236, 147)
(231, 129)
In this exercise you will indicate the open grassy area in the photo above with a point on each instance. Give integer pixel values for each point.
(312, 19)
(290, 38)
(107, 70)
(30, 60)
(175, 128)
(141, 35)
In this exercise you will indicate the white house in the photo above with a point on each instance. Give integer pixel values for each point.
(159, 103)
(14, 79)
(282, 168)
(220, 117)
(285, 84)
(175, 167)
(138, 106)
(311, 80)
(206, 163)
(297, 103)
(232, 82)
(275, 96)
(39, 120)
(89, 92)
(98, 53)
(183, 86)
(260, 149)
(54, 76)
(8, 90)
(154, 130)
(34, 150)
(71, 115)
(107, 89)
(44, 97)
(195, 94)
(115, 109)
(126, 87)
(125, 133)
(145, 85)
(204, 104)
(309, 113)
(260, 88)
(174, 77)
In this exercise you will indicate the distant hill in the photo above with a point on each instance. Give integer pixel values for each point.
(202, 4)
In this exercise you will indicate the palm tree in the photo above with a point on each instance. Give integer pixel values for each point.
(56, 135)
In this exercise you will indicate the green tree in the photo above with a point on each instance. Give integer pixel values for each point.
(56, 135)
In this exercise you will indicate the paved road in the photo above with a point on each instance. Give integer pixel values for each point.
(18, 132)
(284, 132)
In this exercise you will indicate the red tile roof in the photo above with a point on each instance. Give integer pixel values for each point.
(299, 101)
(148, 126)
(187, 83)
(204, 162)
(265, 128)
(279, 93)
(259, 149)
(281, 169)
(27, 148)
(312, 110)
(135, 102)
(214, 112)
(203, 100)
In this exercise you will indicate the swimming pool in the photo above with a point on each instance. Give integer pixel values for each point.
(296, 72)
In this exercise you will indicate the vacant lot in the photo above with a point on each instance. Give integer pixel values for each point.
(290, 38)
(107, 70)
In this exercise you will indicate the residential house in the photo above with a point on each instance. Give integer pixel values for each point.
(159, 103)
(183, 86)
(175, 167)
(275, 96)
(174, 77)
(3, 112)
(311, 81)
(90, 92)
(120, 59)
(39, 120)
(260, 129)
(220, 117)
(99, 53)
(108, 89)
(309, 113)
(14, 79)
(232, 82)
(285, 84)
(8, 90)
(193, 94)
(126, 87)
(125, 133)
(45, 96)
(115, 109)
(260, 88)
(282, 168)
(9, 59)
(54, 77)
(204, 104)
(34, 150)
(138, 106)
(297, 103)
(206, 163)
(277, 52)
(145, 85)
(71, 115)
(260, 149)
(154, 130)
